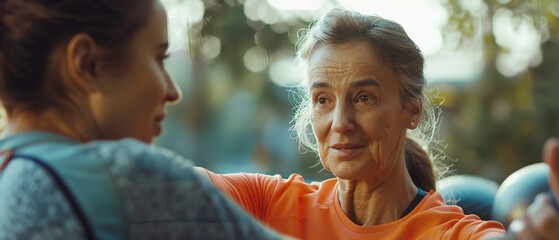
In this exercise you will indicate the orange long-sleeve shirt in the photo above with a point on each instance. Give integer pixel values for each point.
(311, 211)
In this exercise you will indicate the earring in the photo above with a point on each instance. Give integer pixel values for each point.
(412, 124)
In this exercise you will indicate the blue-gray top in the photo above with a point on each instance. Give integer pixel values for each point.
(57, 188)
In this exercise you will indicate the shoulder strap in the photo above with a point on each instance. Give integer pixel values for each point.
(8, 155)
(71, 200)
(415, 201)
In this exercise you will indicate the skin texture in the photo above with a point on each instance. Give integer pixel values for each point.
(360, 122)
(115, 100)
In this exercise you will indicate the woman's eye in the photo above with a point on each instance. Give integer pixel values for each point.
(366, 98)
(321, 100)
(163, 58)
(363, 98)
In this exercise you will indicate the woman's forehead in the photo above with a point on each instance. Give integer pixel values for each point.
(346, 58)
(345, 55)
(154, 32)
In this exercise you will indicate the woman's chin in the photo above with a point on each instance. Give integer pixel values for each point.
(345, 173)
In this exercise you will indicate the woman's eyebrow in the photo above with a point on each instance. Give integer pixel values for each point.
(358, 84)
(365, 83)
(320, 85)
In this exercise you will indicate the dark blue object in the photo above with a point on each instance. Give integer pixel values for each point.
(475, 195)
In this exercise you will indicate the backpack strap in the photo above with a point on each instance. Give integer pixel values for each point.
(62, 186)
(8, 156)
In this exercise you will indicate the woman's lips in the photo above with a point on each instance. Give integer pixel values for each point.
(157, 125)
(346, 150)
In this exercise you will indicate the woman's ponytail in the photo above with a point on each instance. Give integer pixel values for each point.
(419, 165)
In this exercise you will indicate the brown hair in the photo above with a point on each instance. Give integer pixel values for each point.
(396, 48)
(419, 165)
(30, 31)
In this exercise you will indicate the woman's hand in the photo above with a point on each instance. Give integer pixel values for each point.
(541, 220)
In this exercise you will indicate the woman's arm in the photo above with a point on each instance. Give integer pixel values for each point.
(202, 172)
(541, 220)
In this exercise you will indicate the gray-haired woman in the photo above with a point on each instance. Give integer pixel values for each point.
(365, 113)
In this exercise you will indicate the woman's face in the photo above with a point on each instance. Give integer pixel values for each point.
(131, 99)
(356, 112)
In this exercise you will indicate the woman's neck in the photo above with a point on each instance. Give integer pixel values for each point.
(55, 121)
(380, 202)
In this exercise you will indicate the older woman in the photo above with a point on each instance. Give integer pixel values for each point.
(76, 71)
(364, 102)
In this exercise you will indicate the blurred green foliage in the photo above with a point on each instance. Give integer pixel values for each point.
(501, 122)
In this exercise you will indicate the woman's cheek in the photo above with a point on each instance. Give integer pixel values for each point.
(381, 140)
(320, 134)
(324, 159)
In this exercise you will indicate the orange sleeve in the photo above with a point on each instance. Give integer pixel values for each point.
(440, 221)
(471, 227)
(252, 191)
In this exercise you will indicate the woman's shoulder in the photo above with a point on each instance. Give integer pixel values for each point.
(128, 147)
(23, 213)
(434, 203)
(450, 221)
(131, 155)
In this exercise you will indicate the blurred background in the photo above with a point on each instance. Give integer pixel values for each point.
(495, 63)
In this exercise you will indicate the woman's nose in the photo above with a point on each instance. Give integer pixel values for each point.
(342, 120)
(174, 94)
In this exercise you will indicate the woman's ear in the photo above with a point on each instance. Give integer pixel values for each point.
(82, 61)
(415, 109)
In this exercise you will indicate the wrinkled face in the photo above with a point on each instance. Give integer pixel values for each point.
(132, 99)
(357, 114)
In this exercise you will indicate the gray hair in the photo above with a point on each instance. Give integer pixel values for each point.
(397, 50)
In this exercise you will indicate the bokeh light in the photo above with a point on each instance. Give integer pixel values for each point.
(256, 59)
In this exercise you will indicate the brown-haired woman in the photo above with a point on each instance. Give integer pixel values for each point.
(364, 111)
(76, 71)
